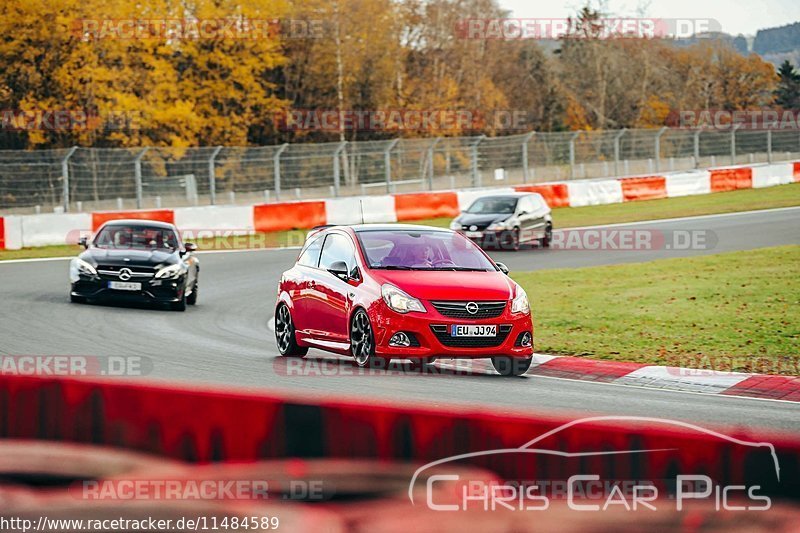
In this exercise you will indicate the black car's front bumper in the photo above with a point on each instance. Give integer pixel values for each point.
(153, 290)
(490, 239)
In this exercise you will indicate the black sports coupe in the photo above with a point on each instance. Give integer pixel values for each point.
(136, 260)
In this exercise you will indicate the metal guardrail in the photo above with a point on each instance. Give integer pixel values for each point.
(77, 179)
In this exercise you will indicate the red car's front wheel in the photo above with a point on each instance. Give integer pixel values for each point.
(362, 339)
(512, 366)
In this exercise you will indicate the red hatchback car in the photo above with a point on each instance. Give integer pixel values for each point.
(379, 292)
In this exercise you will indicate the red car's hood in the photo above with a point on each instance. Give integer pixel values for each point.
(449, 285)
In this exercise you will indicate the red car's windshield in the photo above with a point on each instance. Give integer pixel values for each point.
(421, 250)
(137, 237)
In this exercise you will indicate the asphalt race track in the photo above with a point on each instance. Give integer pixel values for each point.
(225, 339)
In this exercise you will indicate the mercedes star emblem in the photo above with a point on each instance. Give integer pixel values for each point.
(125, 274)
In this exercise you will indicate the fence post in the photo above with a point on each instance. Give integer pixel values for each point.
(212, 175)
(733, 143)
(572, 154)
(769, 146)
(337, 171)
(137, 175)
(617, 137)
(697, 149)
(387, 164)
(65, 177)
(276, 169)
(431, 149)
(476, 175)
(525, 170)
(657, 147)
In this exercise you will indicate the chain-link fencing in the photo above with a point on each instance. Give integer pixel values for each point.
(83, 179)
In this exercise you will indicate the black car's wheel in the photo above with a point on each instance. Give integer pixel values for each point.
(511, 240)
(192, 298)
(548, 236)
(284, 334)
(511, 366)
(180, 305)
(77, 299)
(362, 340)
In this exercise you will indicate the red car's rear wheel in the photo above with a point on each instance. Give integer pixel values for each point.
(284, 334)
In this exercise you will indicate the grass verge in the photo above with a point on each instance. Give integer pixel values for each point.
(565, 217)
(735, 311)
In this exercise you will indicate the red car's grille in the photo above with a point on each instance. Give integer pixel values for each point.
(443, 336)
(482, 310)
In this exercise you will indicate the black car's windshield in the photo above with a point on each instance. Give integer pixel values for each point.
(136, 237)
(500, 205)
(422, 250)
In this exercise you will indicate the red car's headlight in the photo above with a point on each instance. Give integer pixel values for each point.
(520, 303)
(399, 301)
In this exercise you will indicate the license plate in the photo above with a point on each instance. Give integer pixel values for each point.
(474, 234)
(473, 331)
(124, 286)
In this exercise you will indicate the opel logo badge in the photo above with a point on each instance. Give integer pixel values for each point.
(125, 274)
(472, 308)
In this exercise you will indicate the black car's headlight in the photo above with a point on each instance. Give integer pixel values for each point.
(78, 267)
(172, 272)
(455, 225)
(499, 225)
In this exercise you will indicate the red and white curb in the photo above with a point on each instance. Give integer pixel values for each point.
(786, 388)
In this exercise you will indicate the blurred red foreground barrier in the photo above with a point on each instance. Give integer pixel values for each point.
(214, 425)
(2, 234)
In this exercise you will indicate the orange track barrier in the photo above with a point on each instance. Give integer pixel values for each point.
(644, 188)
(290, 215)
(730, 179)
(161, 215)
(2, 234)
(797, 171)
(555, 194)
(426, 205)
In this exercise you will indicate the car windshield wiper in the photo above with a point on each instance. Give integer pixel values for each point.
(396, 267)
(460, 269)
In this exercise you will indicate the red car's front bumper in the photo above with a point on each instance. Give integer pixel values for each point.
(432, 332)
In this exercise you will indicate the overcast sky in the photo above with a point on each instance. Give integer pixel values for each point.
(735, 16)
